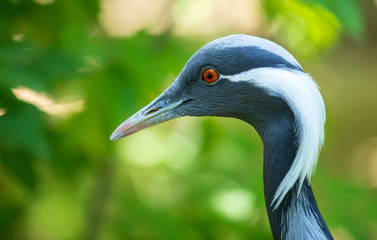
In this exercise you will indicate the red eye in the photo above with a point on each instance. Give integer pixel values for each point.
(210, 75)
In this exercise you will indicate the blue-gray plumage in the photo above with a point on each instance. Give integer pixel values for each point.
(259, 82)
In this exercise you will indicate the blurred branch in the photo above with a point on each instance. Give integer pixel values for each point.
(98, 200)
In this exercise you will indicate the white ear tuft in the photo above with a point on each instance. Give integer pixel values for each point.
(302, 95)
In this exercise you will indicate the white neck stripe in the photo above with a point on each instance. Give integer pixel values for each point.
(302, 95)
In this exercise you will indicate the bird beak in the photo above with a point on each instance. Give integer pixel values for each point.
(158, 111)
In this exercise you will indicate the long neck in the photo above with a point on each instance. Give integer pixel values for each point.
(298, 216)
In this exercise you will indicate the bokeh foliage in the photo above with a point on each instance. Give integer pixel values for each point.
(61, 177)
(309, 26)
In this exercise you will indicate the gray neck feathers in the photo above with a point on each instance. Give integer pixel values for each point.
(302, 219)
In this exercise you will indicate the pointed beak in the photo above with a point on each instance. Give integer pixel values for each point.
(158, 111)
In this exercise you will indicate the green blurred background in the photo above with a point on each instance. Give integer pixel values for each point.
(71, 71)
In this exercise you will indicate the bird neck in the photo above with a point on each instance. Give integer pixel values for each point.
(298, 216)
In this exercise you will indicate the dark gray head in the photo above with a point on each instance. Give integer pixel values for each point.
(228, 56)
(249, 78)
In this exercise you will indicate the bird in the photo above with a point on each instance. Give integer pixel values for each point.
(257, 81)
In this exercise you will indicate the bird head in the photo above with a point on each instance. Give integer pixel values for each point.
(216, 82)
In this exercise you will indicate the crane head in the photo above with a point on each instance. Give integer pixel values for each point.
(213, 83)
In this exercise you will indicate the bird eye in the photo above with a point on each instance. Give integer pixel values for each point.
(210, 75)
